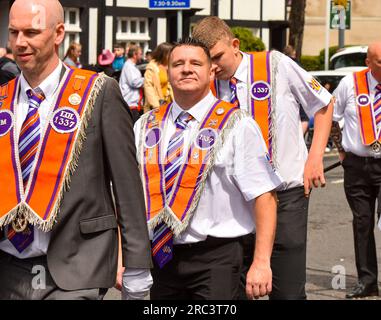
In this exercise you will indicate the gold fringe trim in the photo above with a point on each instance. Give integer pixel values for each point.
(167, 215)
(72, 165)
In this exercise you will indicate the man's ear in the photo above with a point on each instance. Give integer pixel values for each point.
(367, 62)
(213, 72)
(235, 45)
(60, 33)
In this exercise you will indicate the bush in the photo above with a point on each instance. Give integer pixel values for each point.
(310, 63)
(248, 42)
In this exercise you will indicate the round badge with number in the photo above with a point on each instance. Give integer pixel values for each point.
(206, 138)
(153, 137)
(363, 100)
(65, 120)
(75, 99)
(260, 90)
(6, 122)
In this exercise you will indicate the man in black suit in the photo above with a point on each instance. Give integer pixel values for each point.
(65, 136)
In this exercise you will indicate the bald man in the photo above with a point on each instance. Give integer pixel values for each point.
(65, 135)
(358, 102)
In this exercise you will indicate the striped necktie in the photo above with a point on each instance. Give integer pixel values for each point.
(377, 106)
(162, 243)
(233, 89)
(29, 140)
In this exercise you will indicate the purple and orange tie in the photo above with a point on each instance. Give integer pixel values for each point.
(162, 243)
(233, 89)
(377, 106)
(29, 140)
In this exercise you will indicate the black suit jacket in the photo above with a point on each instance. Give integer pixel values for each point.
(83, 250)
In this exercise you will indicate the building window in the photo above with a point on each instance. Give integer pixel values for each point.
(133, 30)
(72, 28)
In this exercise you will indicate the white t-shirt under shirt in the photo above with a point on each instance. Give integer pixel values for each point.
(292, 89)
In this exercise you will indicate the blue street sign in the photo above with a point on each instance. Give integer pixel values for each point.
(169, 4)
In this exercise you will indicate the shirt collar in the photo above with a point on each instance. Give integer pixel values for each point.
(48, 86)
(372, 81)
(197, 111)
(241, 72)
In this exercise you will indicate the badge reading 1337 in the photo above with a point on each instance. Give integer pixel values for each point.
(206, 138)
(65, 120)
(260, 90)
(6, 122)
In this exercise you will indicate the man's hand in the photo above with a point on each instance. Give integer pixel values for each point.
(119, 278)
(313, 174)
(341, 156)
(258, 281)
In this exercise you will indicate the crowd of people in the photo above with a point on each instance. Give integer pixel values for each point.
(186, 179)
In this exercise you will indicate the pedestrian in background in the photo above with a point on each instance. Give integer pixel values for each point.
(72, 55)
(157, 89)
(358, 102)
(131, 82)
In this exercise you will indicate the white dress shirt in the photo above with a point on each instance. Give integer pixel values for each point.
(240, 174)
(130, 82)
(346, 108)
(291, 89)
(49, 87)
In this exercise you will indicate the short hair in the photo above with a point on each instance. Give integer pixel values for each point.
(132, 50)
(161, 53)
(289, 50)
(118, 46)
(192, 42)
(212, 29)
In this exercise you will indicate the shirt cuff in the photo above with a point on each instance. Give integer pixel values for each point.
(136, 283)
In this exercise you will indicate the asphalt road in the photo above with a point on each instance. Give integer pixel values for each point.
(331, 270)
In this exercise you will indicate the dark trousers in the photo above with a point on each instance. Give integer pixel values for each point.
(207, 270)
(288, 260)
(29, 279)
(362, 179)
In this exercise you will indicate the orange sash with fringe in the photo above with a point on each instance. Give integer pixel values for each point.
(259, 92)
(56, 151)
(365, 114)
(176, 211)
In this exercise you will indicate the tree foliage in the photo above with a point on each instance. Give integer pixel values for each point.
(248, 42)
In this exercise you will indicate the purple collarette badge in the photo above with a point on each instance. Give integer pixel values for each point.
(153, 137)
(260, 90)
(65, 120)
(206, 138)
(6, 122)
(363, 100)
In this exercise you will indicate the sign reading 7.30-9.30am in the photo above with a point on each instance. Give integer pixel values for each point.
(169, 4)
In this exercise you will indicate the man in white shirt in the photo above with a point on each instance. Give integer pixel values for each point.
(270, 86)
(358, 102)
(212, 185)
(131, 81)
(65, 136)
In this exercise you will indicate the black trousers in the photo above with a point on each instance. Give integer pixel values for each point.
(288, 260)
(362, 179)
(207, 270)
(29, 279)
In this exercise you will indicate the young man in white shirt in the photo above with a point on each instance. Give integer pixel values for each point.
(131, 81)
(208, 182)
(270, 86)
(358, 103)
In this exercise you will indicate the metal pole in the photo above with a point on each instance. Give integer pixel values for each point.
(342, 28)
(327, 30)
(179, 24)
